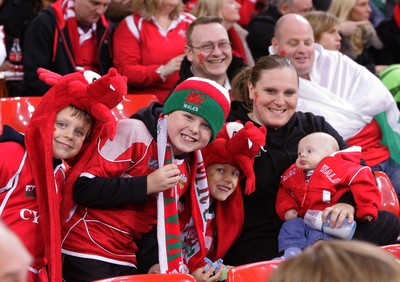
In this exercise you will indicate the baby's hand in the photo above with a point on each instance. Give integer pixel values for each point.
(163, 178)
(290, 214)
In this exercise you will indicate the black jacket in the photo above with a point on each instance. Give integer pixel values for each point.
(389, 33)
(261, 30)
(39, 46)
(15, 15)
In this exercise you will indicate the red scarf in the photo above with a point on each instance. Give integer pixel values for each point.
(396, 15)
(237, 45)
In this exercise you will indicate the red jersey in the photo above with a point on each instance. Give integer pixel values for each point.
(110, 235)
(141, 46)
(19, 207)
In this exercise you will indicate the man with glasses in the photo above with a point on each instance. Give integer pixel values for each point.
(208, 52)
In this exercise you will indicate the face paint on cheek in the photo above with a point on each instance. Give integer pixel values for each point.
(256, 95)
(282, 53)
(201, 58)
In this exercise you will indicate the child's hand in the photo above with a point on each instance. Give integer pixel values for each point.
(206, 276)
(290, 214)
(163, 178)
(368, 218)
(155, 269)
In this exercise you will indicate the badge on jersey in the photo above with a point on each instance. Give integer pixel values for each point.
(30, 191)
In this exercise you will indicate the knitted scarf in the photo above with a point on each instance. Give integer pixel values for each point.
(181, 250)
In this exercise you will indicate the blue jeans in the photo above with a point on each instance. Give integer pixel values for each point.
(392, 170)
(295, 233)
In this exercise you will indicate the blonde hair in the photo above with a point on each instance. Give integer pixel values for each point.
(321, 22)
(342, 9)
(207, 8)
(339, 260)
(147, 8)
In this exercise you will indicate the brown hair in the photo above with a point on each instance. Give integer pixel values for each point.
(321, 22)
(240, 82)
(147, 8)
(207, 8)
(201, 21)
(84, 115)
(339, 260)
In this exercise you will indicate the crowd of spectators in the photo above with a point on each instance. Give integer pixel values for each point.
(282, 68)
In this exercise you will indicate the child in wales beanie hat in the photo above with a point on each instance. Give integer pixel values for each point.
(209, 100)
(155, 171)
(202, 97)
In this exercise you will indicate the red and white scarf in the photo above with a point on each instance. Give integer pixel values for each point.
(181, 250)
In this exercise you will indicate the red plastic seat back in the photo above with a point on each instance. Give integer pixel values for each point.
(177, 277)
(135, 102)
(390, 201)
(393, 249)
(254, 272)
(17, 111)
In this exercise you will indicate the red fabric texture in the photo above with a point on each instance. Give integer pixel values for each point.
(370, 137)
(237, 45)
(396, 15)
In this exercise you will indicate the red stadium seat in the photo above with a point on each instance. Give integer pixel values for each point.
(255, 272)
(17, 111)
(390, 201)
(177, 277)
(393, 249)
(133, 103)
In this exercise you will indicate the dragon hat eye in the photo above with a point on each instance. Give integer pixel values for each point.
(233, 127)
(91, 76)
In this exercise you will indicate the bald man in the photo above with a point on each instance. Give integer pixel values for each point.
(261, 26)
(345, 93)
(14, 258)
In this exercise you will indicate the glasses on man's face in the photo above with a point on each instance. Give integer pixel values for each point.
(209, 47)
